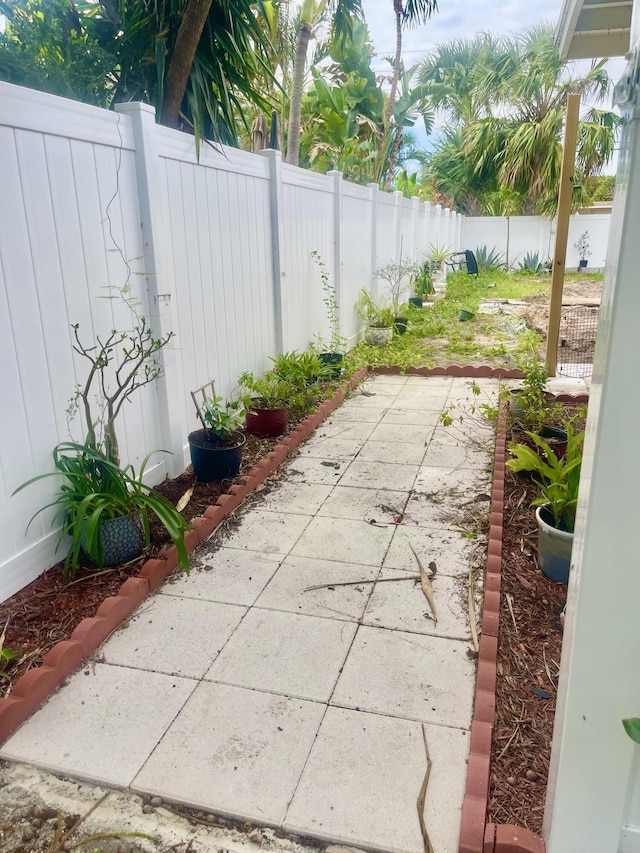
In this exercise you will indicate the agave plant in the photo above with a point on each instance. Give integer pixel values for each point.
(488, 259)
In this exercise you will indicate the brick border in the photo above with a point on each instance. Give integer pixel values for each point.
(37, 684)
(469, 371)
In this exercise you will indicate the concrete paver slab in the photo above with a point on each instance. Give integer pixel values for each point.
(352, 430)
(456, 456)
(408, 675)
(449, 549)
(271, 532)
(424, 512)
(233, 751)
(228, 575)
(372, 399)
(160, 635)
(379, 475)
(382, 505)
(95, 727)
(286, 590)
(345, 540)
(300, 498)
(421, 402)
(450, 484)
(337, 448)
(286, 653)
(308, 469)
(416, 417)
(352, 411)
(402, 433)
(362, 779)
(402, 453)
(401, 606)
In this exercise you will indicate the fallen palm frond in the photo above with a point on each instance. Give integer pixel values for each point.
(472, 615)
(358, 583)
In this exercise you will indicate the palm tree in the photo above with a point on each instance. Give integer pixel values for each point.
(407, 13)
(509, 134)
(310, 13)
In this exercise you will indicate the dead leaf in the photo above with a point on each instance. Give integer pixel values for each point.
(425, 583)
(184, 500)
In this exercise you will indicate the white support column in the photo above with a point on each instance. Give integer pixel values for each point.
(337, 239)
(375, 212)
(428, 229)
(437, 227)
(415, 213)
(398, 199)
(275, 208)
(159, 280)
(459, 234)
(446, 226)
(589, 794)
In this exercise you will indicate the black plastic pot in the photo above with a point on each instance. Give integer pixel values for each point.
(334, 359)
(400, 325)
(416, 300)
(213, 461)
(267, 422)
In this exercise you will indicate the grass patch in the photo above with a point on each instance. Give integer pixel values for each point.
(437, 337)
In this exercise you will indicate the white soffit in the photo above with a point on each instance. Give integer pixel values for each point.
(593, 29)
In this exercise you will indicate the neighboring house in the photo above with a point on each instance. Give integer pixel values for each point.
(593, 798)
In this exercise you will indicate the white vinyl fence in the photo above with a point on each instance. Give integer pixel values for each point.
(216, 249)
(536, 235)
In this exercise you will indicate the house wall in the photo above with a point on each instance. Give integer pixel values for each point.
(215, 248)
(536, 234)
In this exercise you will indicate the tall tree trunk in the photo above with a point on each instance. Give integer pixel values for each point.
(297, 85)
(194, 18)
(393, 157)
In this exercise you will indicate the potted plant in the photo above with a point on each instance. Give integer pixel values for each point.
(583, 249)
(216, 449)
(101, 506)
(437, 257)
(330, 352)
(104, 509)
(378, 317)
(559, 480)
(532, 407)
(304, 372)
(394, 274)
(266, 403)
(422, 284)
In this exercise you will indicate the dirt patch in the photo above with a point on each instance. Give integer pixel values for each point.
(536, 312)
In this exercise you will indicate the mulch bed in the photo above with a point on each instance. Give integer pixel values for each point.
(529, 650)
(50, 607)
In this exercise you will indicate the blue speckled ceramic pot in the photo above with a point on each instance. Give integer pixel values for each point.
(122, 539)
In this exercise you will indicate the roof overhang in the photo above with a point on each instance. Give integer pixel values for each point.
(593, 29)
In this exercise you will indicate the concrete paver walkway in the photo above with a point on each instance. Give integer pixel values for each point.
(240, 691)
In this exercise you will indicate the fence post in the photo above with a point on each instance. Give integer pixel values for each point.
(375, 212)
(336, 177)
(397, 200)
(415, 213)
(427, 228)
(275, 210)
(159, 280)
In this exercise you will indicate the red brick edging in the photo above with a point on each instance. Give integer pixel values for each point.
(36, 685)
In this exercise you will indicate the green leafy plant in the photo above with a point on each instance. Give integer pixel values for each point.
(531, 263)
(268, 392)
(301, 369)
(223, 418)
(336, 342)
(422, 281)
(488, 259)
(378, 315)
(94, 490)
(632, 728)
(531, 406)
(484, 408)
(558, 479)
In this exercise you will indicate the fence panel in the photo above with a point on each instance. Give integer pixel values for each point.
(216, 247)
